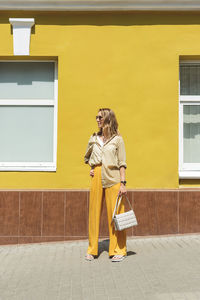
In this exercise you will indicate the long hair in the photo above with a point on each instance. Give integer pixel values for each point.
(110, 124)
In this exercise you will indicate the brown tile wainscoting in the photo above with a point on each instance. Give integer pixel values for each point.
(46, 216)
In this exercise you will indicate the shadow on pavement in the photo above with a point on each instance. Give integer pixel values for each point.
(104, 246)
(129, 253)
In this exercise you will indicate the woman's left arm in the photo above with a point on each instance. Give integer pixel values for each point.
(122, 164)
(122, 189)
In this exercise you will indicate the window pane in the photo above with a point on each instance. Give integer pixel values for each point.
(191, 133)
(26, 80)
(190, 79)
(26, 133)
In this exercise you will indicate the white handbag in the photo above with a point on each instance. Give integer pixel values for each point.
(126, 219)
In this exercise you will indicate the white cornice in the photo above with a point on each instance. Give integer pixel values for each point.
(22, 22)
(101, 5)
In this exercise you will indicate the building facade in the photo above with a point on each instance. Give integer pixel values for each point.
(62, 61)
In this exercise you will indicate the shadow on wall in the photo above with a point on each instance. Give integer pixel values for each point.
(106, 18)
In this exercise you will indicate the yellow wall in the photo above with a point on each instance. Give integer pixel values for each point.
(128, 62)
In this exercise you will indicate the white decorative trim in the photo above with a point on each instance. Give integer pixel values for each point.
(21, 34)
(101, 5)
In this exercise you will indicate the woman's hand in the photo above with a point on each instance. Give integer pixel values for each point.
(92, 172)
(122, 190)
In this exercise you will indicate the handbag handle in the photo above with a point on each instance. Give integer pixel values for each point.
(118, 202)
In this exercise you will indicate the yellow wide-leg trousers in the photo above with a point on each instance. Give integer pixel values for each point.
(117, 238)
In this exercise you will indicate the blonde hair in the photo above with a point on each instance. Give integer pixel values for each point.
(110, 124)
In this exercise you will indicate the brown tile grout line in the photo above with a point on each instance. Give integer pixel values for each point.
(64, 212)
(19, 216)
(85, 190)
(45, 236)
(178, 212)
(155, 206)
(85, 237)
(42, 215)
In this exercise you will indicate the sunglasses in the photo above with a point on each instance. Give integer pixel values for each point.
(99, 117)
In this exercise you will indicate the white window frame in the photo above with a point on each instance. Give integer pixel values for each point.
(186, 170)
(35, 166)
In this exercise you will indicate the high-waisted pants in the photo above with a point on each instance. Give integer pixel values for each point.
(117, 238)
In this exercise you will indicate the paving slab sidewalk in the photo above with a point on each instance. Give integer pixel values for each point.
(156, 268)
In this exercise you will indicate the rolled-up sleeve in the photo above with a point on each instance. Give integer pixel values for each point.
(88, 150)
(121, 153)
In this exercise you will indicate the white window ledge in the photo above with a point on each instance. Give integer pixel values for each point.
(189, 174)
(30, 169)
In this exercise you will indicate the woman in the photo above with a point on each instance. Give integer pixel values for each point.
(107, 158)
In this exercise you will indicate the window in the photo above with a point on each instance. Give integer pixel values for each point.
(28, 115)
(189, 116)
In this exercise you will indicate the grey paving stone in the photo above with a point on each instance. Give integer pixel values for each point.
(157, 268)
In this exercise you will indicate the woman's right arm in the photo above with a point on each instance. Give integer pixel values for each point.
(88, 153)
(88, 150)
